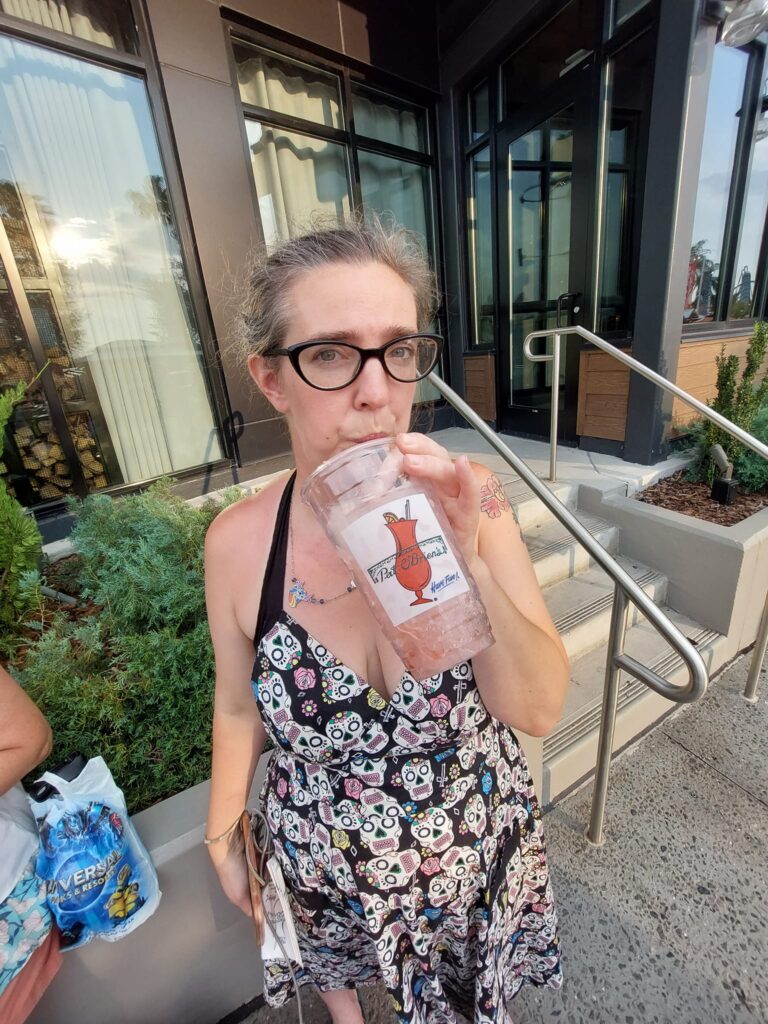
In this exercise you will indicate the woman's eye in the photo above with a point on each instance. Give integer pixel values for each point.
(325, 355)
(402, 352)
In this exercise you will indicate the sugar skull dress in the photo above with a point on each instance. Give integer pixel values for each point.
(408, 830)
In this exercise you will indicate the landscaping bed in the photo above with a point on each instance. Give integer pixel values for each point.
(692, 498)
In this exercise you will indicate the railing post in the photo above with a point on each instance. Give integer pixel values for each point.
(758, 656)
(608, 716)
(555, 408)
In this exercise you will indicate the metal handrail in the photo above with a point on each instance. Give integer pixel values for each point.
(625, 589)
(750, 690)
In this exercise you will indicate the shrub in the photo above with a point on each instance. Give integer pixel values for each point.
(20, 542)
(133, 680)
(739, 401)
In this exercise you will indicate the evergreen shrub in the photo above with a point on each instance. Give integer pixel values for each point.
(133, 681)
(743, 401)
(20, 543)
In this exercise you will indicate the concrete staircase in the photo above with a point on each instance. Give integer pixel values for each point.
(579, 595)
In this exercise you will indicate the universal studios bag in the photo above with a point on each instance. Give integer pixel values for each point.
(99, 878)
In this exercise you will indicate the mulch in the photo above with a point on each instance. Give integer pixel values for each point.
(693, 499)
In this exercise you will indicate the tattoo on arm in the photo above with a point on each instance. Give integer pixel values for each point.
(493, 500)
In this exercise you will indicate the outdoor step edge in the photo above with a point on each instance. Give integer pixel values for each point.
(587, 718)
(558, 546)
(650, 579)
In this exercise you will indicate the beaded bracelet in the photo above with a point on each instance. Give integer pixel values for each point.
(224, 835)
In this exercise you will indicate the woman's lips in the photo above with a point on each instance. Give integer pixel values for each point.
(368, 437)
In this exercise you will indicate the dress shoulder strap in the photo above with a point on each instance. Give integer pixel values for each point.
(271, 603)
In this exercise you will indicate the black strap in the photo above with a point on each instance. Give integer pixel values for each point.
(271, 603)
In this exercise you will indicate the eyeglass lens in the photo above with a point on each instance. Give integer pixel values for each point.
(334, 364)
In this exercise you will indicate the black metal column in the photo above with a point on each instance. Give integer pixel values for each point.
(680, 86)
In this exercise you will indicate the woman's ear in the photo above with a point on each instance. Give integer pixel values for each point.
(266, 374)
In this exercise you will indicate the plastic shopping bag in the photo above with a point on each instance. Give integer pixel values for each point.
(100, 880)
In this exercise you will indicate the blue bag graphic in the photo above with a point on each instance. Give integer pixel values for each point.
(100, 880)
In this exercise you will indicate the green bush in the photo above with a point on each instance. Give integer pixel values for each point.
(20, 543)
(742, 402)
(133, 681)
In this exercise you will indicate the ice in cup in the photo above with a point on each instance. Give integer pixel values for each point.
(395, 538)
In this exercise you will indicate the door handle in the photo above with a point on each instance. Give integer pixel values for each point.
(575, 296)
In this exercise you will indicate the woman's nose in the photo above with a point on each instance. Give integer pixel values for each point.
(372, 384)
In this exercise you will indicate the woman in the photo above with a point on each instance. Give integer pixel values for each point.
(422, 865)
(29, 942)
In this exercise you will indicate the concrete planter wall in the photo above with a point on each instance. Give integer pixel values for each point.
(718, 575)
(193, 962)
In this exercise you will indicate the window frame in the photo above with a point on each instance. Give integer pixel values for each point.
(144, 66)
(720, 325)
(349, 72)
(609, 41)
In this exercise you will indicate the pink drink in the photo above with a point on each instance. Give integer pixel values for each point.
(395, 538)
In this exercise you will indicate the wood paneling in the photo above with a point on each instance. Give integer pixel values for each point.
(604, 385)
(697, 372)
(603, 395)
(480, 384)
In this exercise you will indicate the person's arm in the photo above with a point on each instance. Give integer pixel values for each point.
(238, 732)
(25, 736)
(523, 677)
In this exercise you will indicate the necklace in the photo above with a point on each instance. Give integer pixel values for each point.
(298, 591)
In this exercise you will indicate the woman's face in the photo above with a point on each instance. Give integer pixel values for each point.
(365, 305)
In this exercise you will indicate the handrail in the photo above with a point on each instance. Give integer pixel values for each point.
(633, 364)
(750, 691)
(625, 589)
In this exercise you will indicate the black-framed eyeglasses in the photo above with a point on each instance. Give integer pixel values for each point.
(332, 365)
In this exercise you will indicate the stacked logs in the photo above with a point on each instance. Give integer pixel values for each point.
(34, 449)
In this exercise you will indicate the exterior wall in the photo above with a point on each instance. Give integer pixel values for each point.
(193, 54)
(604, 385)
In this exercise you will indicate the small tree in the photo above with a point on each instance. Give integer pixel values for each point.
(20, 541)
(737, 400)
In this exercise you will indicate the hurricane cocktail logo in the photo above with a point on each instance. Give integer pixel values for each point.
(410, 562)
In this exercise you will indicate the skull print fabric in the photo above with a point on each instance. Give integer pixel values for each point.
(408, 830)
(409, 835)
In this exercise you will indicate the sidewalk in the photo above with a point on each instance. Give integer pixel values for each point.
(667, 922)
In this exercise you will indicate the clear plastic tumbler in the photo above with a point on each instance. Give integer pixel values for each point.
(394, 537)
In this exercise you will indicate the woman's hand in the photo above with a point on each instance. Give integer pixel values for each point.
(455, 483)
(233, 874)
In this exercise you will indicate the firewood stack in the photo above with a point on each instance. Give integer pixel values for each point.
(38, 453)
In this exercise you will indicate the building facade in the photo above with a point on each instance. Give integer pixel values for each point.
(604, 161)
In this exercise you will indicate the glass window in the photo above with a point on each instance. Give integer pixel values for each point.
(287, 86)
(741, 302)
(623, 9)
(724, 107)
(296, 176)
(560, 46)
(630, 78)
(107, 22)
(94, 233)
(396, 187)
(379, 117)
(480, 232)
(479, 111)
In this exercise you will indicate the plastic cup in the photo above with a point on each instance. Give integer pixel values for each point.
(395, 538)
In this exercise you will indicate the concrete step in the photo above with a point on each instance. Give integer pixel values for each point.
(581, 605)
(555, 553)
(529, 509)
(570, 751)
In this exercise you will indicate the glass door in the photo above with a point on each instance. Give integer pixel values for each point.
(543, 203)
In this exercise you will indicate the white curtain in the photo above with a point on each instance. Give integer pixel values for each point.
(87, 19)
(82, 148)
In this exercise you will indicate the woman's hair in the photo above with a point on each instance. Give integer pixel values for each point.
(264, 314)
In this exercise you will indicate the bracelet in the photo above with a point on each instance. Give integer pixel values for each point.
(224, 835)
